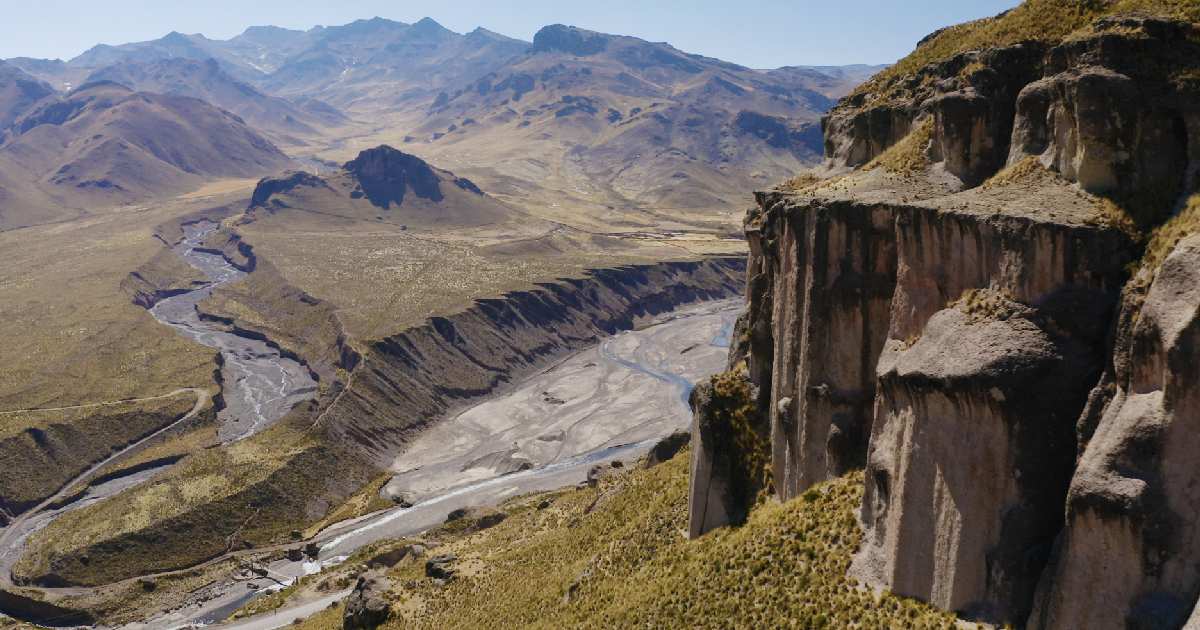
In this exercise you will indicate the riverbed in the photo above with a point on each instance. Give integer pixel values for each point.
(260, 385)
(611, 402)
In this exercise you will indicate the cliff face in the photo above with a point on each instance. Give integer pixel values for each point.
(408, 380)
(947, 305)
(1132, 534)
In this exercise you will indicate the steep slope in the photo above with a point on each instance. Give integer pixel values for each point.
(642, 124)
(106, 143)
(948, 304)
(19, 92)
(205, 80)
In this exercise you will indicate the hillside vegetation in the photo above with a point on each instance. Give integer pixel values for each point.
(617, 556)
(1048, 21)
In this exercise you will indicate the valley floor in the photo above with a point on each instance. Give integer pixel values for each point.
(608, 403)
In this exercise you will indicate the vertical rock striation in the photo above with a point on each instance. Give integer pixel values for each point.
(831, 270)
(1130, 553)
(940, 308)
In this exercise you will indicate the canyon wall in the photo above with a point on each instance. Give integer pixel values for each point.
(408, 380)
(948, 305)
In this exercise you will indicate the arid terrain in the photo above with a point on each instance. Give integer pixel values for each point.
(382, 325)
(244, 278)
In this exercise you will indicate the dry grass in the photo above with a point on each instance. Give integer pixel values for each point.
(365, 501)
(192, 441)
(986, 305)
(615, 557)
(382, 280)
(910, 155)
(1109, 213)
(205, 478)
(800, 182)
(43, 450)
(1028, 170)
(1164, 239)
(71, 335)
(1034, 20)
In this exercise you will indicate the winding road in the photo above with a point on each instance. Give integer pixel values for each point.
(611, 402)
(13, 537)
(259, 387)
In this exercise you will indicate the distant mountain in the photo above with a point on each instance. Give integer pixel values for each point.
(382, 184)
(379, 62)
(208, 81)
(174, 45)
(55, 72)
(832, 81)
(646, 124)
(19, 92)
(575, 118)
(107, 143)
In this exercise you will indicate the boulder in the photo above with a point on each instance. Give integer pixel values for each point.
(441, 567)
(477, 519)
(368, 606)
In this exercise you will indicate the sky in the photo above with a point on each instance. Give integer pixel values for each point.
(755, 33)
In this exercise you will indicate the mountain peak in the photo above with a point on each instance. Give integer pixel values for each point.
(569, 39)
(386, 174)
(428, 23)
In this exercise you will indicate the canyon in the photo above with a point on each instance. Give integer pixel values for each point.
(384, 325)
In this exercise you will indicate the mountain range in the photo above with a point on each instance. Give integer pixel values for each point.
(582, 126)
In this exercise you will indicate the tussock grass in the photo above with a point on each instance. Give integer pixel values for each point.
(800, 182)
(615, 557)
(1164, 239)
(1028, 170)
(986, 304)
(1049, 21)
(910, 155)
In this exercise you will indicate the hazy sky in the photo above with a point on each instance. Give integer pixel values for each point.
(756, 33)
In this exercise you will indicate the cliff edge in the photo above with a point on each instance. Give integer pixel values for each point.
(985, 298)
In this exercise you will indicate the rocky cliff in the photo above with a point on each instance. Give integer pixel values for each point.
(408, 380)
(947, 303)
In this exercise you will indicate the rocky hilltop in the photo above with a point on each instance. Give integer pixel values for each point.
(987, 298)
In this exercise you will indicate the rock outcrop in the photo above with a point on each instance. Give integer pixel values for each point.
(369, 605)
(386, 175)
(730, 461)
(947, 304)
(1129, 555)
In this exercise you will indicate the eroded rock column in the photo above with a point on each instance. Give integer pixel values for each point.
(833, 274)
(1129, 556)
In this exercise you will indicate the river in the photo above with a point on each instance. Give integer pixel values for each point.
(260, 385)
(611, 402)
